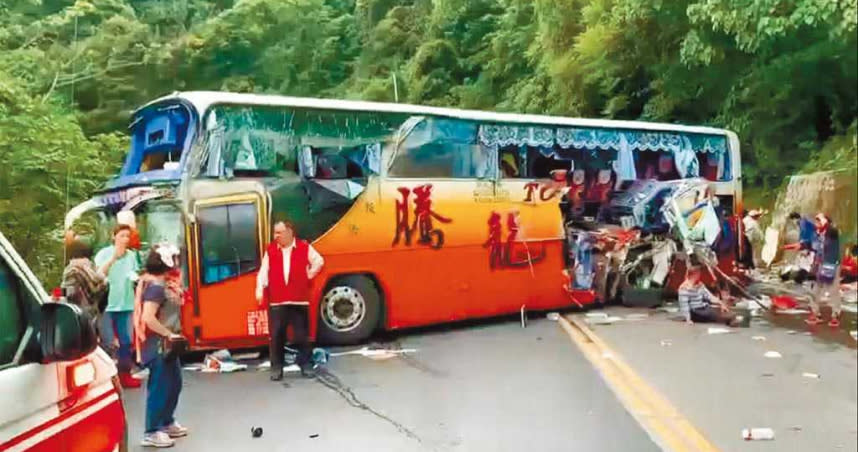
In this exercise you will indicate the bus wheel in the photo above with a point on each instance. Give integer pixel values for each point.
(350, 309)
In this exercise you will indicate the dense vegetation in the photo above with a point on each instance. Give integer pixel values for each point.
(781, 73)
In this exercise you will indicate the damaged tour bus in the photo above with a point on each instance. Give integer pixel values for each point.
(424, 215)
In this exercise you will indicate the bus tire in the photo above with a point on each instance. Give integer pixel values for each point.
(349, 310)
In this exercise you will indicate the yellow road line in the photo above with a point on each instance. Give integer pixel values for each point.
(667, 427)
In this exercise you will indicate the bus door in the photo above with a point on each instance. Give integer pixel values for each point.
(229, 242)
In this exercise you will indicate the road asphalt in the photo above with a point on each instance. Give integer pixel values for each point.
(490, 387)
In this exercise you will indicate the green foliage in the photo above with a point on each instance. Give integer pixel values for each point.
(45, 162)
(781, 73)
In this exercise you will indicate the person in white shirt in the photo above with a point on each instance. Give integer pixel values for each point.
(283, 285)
(754, 235)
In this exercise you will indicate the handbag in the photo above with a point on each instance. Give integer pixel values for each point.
(826, 274)
(174, 347)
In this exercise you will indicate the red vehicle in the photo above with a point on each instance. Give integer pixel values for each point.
(58, 391)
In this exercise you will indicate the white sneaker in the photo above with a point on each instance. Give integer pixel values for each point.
(175, 430)
(157, 439)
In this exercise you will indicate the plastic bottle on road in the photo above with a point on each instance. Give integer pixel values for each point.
(758, 434)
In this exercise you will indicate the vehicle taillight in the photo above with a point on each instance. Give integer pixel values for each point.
(80, 375)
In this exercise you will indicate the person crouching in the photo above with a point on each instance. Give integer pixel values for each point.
(697, 304)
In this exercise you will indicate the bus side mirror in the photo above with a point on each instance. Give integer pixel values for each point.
(66, 333)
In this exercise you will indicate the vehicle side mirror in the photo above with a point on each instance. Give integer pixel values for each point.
(66, 333)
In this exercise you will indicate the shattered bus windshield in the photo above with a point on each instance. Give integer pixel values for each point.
(160, 223)
(268, 141)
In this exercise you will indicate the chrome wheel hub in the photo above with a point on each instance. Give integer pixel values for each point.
(343, 308)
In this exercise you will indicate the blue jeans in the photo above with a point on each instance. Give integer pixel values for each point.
(162, 392)
(118, 324)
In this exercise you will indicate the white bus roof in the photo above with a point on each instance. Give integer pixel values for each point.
(202, 100)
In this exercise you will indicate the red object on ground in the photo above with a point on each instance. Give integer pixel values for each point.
(129, 382)
(580, 297)
(813, 320)
(784, 302)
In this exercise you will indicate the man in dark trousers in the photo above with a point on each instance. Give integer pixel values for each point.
(283, 284)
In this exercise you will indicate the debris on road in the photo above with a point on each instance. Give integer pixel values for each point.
(553, 316)
(320, 356)
(376, 353)
(314, 436)
(601, 318)
(758, 338)
(784, 302)
(747, 303)
(767, 374)
(222, 354)
(246, 356)
(850, 295)
(772, 354)
(758, 434)
(256, 432)
(717, 330)
(288, 368)
(810, 375)
(668, 309)
(221, 361)
(793, 311)
(666, 342)
(633, 317)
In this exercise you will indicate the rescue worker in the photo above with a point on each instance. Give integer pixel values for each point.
(283, 284)
(697, 304)
(827, 248)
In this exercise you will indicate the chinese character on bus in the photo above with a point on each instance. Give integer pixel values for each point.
(427, 234)
(512, 252)
(257, 323)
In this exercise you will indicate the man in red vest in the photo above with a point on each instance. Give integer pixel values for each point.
(283, 284)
